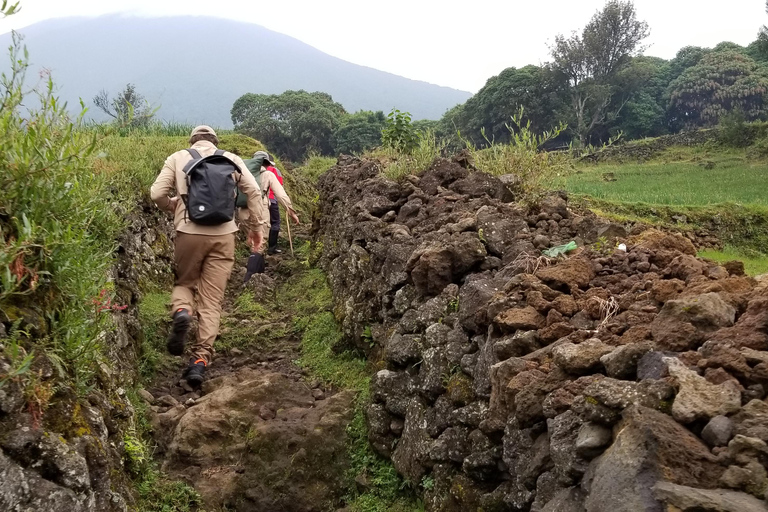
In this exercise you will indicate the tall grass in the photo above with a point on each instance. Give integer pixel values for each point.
(314, 166)
(155, 128)
(57, 232)
(399, 164)
(536, 171)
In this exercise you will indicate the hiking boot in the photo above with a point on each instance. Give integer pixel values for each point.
(272, 243)
(194, 373)
(179, 329)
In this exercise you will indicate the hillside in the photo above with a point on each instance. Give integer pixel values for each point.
(165, 59)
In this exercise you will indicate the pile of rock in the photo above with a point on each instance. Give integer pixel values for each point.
(606, 381)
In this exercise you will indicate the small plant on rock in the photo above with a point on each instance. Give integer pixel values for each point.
(399, 133)
(522, 157)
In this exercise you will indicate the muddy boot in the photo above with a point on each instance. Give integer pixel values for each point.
(272, 245)
(194, 373)
(179, 329)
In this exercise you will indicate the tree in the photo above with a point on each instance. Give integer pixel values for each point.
(762, 36)
(718, 84)
(488, 113)
(292, 124)
(642, 86)
(358, 132)
(687, 57)
(589, 62)
(129, 108)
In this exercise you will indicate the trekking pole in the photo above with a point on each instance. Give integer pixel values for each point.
(288, 224)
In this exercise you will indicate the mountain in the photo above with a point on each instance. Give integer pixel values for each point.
(196, 67)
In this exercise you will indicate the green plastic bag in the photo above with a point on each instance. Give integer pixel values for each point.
(560, 250)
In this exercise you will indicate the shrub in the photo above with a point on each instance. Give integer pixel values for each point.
(733, 129)
(399, 133)
(535, 169)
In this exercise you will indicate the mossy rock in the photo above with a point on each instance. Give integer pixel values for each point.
(29, 319)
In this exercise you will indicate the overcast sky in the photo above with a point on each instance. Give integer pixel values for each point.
(457, 44)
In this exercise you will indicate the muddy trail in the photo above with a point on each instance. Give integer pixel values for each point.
(259, 434)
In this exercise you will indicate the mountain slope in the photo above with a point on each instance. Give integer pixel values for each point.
(196, 67)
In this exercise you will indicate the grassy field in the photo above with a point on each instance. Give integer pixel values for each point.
(754, 263)
(679, 176)
(724, 190)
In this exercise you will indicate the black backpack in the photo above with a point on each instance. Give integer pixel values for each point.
(210, 197)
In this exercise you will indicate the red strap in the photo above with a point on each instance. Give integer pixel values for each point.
(201, 361)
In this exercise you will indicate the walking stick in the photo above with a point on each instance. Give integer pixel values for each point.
(288, 224)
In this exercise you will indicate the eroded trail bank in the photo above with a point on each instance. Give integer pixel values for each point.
(609, 380)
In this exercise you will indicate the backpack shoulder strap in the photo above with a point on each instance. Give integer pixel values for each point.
(218, 152)
(195, 159)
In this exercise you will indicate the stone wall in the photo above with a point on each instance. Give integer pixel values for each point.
(605, 381)
(69, 455)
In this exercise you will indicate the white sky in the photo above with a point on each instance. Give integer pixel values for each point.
(457, 44)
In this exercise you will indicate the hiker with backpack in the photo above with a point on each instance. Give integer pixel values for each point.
(273, 194)
(205, 179)
(274, 209)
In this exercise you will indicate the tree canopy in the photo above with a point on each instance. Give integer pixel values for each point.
(720, 82)
(292, 124)
(591, 61)
(358, 132)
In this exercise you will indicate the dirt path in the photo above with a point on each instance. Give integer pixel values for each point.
(259, 435)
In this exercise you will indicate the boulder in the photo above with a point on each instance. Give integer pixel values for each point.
(718, 431)
(752, 420)
(690, 499)
(697, 399)
(750, 331)
(751, 478)
(225, 427)
(412, 452)
(526, 319)
(592, 440)
(452, 445)
(394, 389)
(526, 452)
(649, 446)
(499, 232)
(582, 358)
(604, 400)
(652, 366)
(518, 345)
(622, 362)
(566, 500)
(403, 349)
(569, 463)
(574, 272)
(474, 296)
(683, 324)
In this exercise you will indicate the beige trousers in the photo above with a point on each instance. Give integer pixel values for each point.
(203, 265)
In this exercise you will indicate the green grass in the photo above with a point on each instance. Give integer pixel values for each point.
(677, 177)
(754, 263)
(307, 294)
(315, 166)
